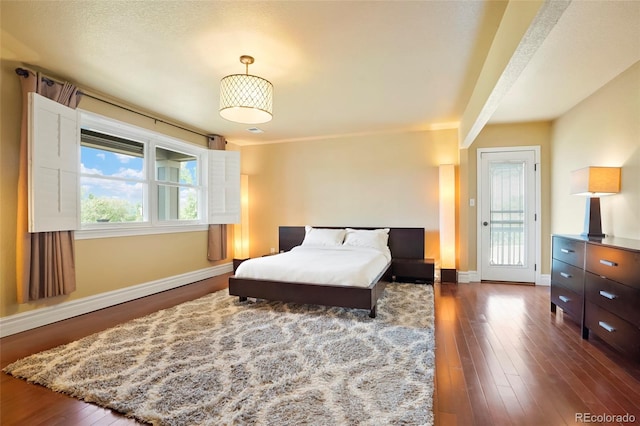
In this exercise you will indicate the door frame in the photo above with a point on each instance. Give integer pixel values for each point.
(538, 205)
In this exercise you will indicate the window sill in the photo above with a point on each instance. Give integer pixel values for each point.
(89, 234)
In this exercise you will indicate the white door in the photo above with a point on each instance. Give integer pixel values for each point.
(507, 196)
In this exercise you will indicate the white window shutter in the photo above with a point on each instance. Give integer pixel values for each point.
(224, 187)
(53, 165)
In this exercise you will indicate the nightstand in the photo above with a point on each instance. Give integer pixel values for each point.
(415, 270)
(236, 263)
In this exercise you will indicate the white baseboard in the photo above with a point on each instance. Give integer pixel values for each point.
(468, 276)
(32, 319)
(544, 279)
(474, 277)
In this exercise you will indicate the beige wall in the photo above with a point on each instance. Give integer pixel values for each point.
(493, 136)
(104, 264)
(603, 130)
(378, 180)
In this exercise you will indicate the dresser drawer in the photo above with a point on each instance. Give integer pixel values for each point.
(619, 265)
(623, 300)
(612, 329)
(569, 251)
(569, 301)
(567, 276)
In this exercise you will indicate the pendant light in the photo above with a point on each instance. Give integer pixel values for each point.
(246, 98)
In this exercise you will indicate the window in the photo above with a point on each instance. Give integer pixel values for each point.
(134, 177)
(113, 182)
(126, 181)
(178, 189)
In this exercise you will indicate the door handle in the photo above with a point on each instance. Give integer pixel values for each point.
(485, 223)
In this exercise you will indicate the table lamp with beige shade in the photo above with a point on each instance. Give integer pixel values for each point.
(594, 182)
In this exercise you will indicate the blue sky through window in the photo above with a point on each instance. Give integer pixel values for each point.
(109, 164)
(106, 163)
(102, 163)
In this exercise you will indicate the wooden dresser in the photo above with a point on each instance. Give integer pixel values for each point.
(597, 282)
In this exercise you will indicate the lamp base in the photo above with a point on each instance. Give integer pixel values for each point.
(448, 276)
(593, 236)
(592, 220)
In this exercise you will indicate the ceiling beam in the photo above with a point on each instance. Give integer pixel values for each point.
(523, 28)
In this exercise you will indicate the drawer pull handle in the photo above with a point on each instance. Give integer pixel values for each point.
(606, 326)
(567, 251)
(608, 262)
(565, 275)
(564, 298)
(607, 294)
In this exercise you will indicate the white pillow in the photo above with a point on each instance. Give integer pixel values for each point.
(323, 237)
(374, 238)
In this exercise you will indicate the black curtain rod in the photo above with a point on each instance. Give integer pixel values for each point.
(24, 73)
(142, 114)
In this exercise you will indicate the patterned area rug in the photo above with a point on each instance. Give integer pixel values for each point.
(215, 361)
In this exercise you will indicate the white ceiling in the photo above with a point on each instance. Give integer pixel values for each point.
(337, 67)
(592, 43)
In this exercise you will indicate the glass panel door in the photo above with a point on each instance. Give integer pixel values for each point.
(507, 233)
(506, 224)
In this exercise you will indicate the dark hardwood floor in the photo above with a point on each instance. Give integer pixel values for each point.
(502, 358)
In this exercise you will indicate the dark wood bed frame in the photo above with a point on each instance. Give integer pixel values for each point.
(404, 243)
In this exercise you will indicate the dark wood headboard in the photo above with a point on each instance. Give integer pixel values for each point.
(404, 243)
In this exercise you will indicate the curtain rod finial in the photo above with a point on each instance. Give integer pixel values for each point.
(22, 72)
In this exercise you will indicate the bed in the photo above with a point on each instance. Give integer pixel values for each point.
(405, 243)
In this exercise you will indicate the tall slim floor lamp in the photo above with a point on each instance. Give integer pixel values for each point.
(447, 185)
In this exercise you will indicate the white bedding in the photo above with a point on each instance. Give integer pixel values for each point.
(340, 265)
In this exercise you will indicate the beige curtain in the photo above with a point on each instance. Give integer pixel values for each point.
(217, 240)
(45, 261)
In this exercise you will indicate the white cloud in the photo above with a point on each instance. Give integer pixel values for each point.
(87, 170)
(123, 158)
(129, 173)
(113, 189)
(122, 173)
